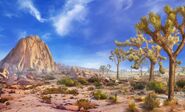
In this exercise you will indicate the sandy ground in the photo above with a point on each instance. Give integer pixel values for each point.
(26, 101)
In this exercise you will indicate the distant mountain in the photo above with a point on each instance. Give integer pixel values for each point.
(30, 53)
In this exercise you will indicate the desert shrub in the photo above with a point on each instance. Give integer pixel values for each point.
(138, 85)
(46, 98)
(98, 85)
(82, 81)
(67, 82)
(99, 95)
(151, 101)
(111, 83)
(85, 104)
(113, 99)
(158, 87)
(3, 100)
(94, 79)
(170, 102)
(180, 83)
(132, 107)
(90, 88)
(73, 91)
(49, 77)
(59, 90)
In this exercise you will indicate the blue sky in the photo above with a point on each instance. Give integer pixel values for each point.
(78, 32)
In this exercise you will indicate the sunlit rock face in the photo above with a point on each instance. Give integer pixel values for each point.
(30, 53)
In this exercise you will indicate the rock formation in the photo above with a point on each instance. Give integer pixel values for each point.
(31, 53)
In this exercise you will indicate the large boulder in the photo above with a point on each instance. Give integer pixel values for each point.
(30, 53)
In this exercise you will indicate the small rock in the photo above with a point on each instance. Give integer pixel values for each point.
(72, 107)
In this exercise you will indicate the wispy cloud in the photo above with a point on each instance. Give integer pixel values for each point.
(46, 36)
(22, 34)
(73, 11)
(123, 4)
(28, 6)
(158, 5)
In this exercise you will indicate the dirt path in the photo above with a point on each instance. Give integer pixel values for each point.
(121, 107)
(30, 103)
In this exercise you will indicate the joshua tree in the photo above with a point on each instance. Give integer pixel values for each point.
(167, 35)
(108, 68)
(117, 56)
(102, 69)
(143, 50)
(105, 68)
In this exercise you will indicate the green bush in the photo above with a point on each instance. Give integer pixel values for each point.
(49, 77)
(82, 81)
(67, 82)
(73, 91)
(158, 87)
(138, 85)
(94, 79)
(151, 101)
(98, 85)
(99, 95)
(85, 104)
(180, 83)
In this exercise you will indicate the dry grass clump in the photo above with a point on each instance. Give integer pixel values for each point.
(60, 90)
(113, 99)
(90, 88)
(170, 102)
(151, 101)
(85, 104)
(132, 107)
(46, 98)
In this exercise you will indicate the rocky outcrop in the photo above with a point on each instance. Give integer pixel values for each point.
(75, 71)
(31, 53)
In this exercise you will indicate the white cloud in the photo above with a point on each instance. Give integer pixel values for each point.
(74, 11)
(28, 5)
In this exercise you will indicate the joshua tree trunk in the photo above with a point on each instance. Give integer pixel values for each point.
(141, 70)
(117, 71)
(172, 67)
(151, 75)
